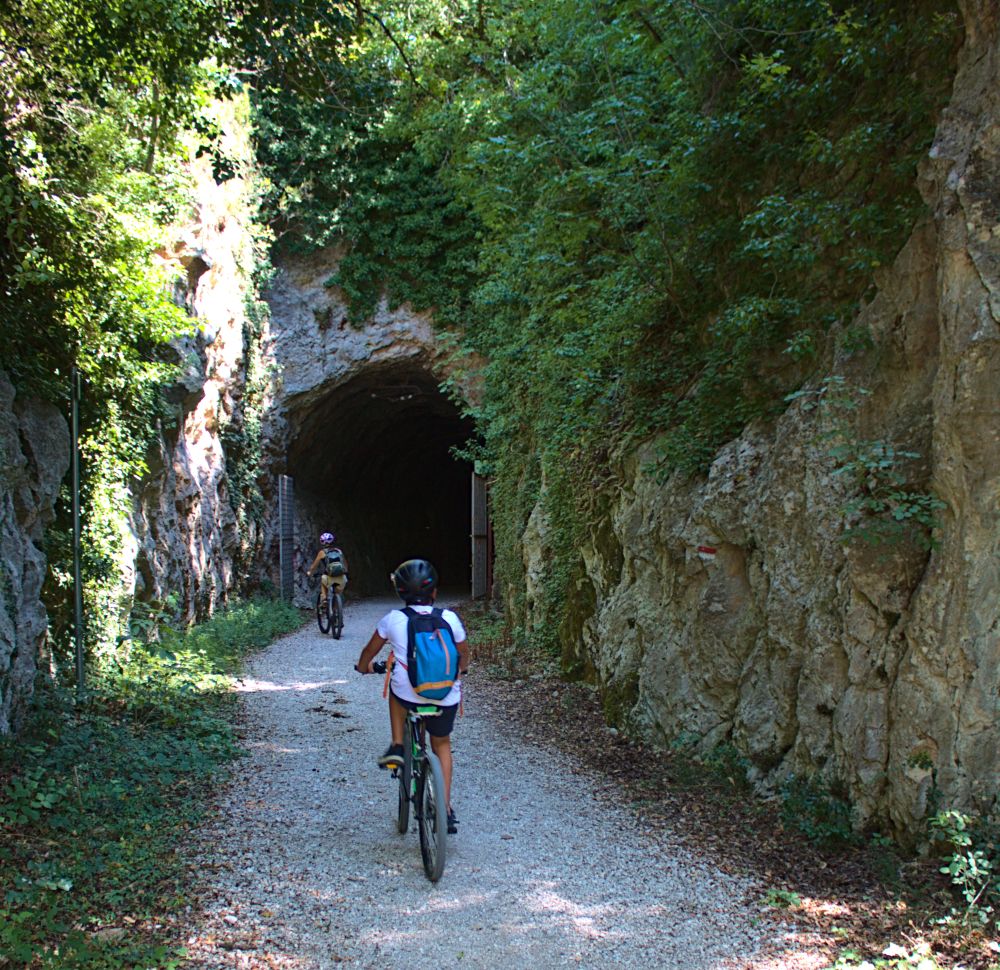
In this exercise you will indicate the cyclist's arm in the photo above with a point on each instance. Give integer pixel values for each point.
(370, 652)
(320, 556)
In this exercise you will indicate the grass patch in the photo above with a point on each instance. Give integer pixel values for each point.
(489, 635)
(96, 797)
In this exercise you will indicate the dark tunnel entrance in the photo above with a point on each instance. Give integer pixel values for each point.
(372, 462)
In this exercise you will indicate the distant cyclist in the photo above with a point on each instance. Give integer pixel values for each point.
(415, 581)
(332, 562)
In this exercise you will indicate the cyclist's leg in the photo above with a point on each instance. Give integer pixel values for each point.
(397, 718)
(324, 582)
(439, 728)
(442, 748)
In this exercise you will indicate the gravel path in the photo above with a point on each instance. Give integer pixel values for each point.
(302, 866)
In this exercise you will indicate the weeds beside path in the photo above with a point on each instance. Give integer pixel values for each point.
(98, 794)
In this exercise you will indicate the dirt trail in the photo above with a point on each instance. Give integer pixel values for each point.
(302, 866)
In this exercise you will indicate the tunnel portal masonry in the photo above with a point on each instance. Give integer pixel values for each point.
(363, 428)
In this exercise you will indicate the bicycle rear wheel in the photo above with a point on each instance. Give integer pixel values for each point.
(433, 817)
(337, 619)
(405, 782)
(322, 615)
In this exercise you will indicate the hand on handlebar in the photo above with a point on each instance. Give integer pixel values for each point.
(374, 667)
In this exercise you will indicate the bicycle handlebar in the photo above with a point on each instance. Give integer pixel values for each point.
(380, 667)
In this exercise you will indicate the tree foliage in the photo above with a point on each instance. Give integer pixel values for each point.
(95, 97)
(647, 217)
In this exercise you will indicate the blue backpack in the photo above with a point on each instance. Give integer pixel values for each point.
(431, 654)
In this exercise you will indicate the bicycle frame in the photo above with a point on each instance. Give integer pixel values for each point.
(329, 610)
(421, 784)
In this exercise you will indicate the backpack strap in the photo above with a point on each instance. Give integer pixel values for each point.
(388, 674)
(411, 643)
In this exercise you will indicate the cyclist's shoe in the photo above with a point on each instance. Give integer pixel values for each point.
(393, 757)
(452, 822)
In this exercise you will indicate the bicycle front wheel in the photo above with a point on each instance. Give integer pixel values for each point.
(405, 782)
(337, 619)
(433, 818)
(322, 614)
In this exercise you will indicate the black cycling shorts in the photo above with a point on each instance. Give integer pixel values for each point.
(439, 726)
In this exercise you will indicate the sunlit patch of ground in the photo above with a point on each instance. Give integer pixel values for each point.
(250, 685)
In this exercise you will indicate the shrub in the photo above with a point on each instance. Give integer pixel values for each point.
(96, 797)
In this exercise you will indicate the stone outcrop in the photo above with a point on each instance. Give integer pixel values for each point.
(34, 459)
(187, 540)
(732, 609)
(338, 385)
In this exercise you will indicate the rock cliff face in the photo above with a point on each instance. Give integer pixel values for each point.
(339, 391)
(733, 610)
(187, 540)
(34, 457)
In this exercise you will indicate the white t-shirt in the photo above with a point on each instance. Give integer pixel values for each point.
(392, 626)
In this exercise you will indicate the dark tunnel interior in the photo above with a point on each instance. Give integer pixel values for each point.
(372, 462)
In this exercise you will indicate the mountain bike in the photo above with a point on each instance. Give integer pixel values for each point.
(421, 784)
(330, 611)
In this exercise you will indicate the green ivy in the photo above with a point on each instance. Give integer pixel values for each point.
(644, 219)
(97, 799)
(884, 507)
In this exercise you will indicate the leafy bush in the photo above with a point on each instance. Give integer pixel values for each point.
(811, 808)
(973, 865)
(727, 761)
(95, 799)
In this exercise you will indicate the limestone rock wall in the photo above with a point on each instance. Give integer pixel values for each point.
(34, 458)
(188, 541)
(874, 666)
(328, 373)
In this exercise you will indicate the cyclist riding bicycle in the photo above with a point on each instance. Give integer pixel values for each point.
(333, 562)
(416, 582)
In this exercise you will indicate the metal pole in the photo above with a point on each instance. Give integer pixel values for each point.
(281, 538)
(77, 578)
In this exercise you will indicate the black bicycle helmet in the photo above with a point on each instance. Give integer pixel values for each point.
(415, 580)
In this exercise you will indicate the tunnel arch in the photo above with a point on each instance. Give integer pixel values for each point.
(372, 459)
